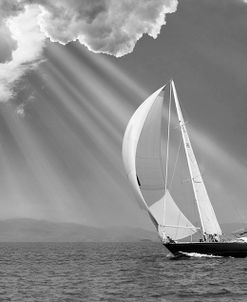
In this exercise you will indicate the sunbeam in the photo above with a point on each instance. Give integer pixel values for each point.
(96, 137)
(43, 169)
(63, 131)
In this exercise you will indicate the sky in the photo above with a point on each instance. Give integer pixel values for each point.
(73, 72)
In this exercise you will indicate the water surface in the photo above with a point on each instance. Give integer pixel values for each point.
(115, 272)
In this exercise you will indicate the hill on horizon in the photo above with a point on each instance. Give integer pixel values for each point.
(32, 230)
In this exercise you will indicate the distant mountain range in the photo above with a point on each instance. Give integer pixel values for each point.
(30, 230)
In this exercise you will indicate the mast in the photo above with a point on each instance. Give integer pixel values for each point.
(207, 215)
(167, 153)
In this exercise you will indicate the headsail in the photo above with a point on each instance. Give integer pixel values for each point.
(149, 154)
(130, 141)
(207, 215)
(171, 220)
(142, 141)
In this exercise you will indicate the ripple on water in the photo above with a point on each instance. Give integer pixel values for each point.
(115, 272)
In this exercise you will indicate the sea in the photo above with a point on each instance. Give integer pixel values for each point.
(142, 272)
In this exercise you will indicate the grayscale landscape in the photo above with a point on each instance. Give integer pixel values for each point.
(123, 151)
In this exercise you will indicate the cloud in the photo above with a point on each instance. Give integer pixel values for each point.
(104, 26)
(29, 44)
(10, 8)
(20, 110)
(7, 44)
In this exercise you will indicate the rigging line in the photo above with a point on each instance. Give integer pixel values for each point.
(168, 138)
(176, 162)
(162, 144)
(162, 164)
(179, 216)
(162, 140)
(167, 153)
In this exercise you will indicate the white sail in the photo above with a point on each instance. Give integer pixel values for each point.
(149, 154)
(207, 215)
(170, 218)
(130, 141)
(143, 132)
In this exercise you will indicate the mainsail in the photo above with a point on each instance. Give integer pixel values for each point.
(142, 144)
(207, 215)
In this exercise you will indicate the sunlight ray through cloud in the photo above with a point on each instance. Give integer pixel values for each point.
(61, 152)
(44, 171)
(121, 79)
(208, 148)
(107, 100)
(81, 113)
(11, 187)
(103, 26)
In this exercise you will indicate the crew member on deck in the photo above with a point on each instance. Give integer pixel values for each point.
(205, 237)
(216, 238)
(170, 240)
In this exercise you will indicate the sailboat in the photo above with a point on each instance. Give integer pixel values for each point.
(146, 164)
